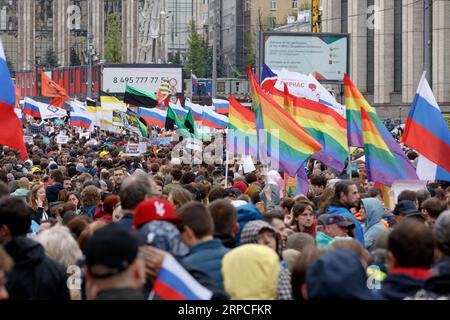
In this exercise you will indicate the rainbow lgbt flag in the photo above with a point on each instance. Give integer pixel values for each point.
(280, 137)
(241, 136)
(385, 159)
(327, 126)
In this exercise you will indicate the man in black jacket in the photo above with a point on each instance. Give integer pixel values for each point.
(438, 286)
(34, 276)
(114, 271)
(56, 185)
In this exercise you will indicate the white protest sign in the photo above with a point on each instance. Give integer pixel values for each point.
(248, 165)
(133, 150)
(399, 185)
(86, 135)
(62, 139)
(28, 139)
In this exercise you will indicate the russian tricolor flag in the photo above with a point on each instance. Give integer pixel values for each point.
(214, 120)
(154, 116)
(11, 133)
(175, 283)
(426, 131)
(79, 117)
(197, 110)
(178, 109)
(31, 108)
(221, 106)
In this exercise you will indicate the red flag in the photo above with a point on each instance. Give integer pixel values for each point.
(50, 88)
(11, 133)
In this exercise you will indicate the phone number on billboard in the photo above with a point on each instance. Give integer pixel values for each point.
(135, 79)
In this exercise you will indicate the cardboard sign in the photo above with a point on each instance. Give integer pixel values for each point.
(62, 139)
(142, 147)
(86, 135)
(132, 150)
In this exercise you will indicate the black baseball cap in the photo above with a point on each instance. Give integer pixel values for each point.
(110, 251)
(339, 220)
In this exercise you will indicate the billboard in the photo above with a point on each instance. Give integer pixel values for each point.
(324, 55)
(144, 77)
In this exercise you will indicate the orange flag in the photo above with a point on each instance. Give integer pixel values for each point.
(50, 88)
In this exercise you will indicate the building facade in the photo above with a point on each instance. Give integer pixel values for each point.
(387, 49)
(30, 28)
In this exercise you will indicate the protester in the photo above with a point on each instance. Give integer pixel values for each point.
(303, 219)
(55, 185)
(34, 275)
(224, 215)
(374, 212)
(38, 204)
(206, 253)
(114, 270)
(6, 264)
(409, 258)
(23, 189)
(346, 196)
(250, 272)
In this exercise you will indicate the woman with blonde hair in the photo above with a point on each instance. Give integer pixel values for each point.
(60, 245)
(38, 203)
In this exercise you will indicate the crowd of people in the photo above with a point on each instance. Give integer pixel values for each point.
(83, 220)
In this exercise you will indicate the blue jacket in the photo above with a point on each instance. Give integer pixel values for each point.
(373, 227)
(126, 221)
(89, 211)
(359, 235)
(207, 257)
(245, 214)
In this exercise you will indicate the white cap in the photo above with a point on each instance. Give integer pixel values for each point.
(238, 203)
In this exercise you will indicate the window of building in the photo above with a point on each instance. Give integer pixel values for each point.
(72, 76)
(273, 4)
(294, 4)
(398, 46)
(246, 5)
(220, 86)
(272, 22)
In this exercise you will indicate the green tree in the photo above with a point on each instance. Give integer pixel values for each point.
(207, 58)
(176, 58)
(250, 46)
(194, 54)
(50, 59)
(113, 43)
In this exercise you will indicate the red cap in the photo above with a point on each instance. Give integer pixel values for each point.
(154, 209)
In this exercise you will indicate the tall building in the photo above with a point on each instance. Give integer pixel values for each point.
(387, 49)
(36, 31)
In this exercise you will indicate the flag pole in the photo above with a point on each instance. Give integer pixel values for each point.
(192, 87)
(226, 168)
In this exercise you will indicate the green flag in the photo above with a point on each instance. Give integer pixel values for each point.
(171, 119)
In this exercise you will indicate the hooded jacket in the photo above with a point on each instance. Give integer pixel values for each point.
(250, 236)
(250, 272)
(338, 274)
(438, 286)
(359, 234)
(21, 193)
(373, 226)
(245, 214)
(34, 276)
